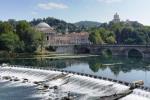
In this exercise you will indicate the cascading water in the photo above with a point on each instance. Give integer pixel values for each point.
(18, 91)
(47, 84)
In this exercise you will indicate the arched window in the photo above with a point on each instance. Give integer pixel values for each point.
(47, 38)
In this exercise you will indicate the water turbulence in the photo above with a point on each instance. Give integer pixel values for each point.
(18, 91)
(51, 85)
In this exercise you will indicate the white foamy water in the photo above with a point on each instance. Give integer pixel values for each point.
(79, 87)
(19, 91)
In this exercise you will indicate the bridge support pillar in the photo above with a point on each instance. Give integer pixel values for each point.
(65, 49)
(146, 54)
(118, 52)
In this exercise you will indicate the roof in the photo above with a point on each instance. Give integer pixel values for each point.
(45, 28)
(43, 25)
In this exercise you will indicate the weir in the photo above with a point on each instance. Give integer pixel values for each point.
(79, 86)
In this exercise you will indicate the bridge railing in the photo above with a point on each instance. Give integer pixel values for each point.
(102, 45)
(106, 45)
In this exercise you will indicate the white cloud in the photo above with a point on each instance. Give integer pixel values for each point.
(51, 5)
(109, 1)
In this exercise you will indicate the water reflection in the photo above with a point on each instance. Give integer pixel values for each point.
(115, 64)
(114, 67)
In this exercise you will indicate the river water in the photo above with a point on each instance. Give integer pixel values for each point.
(126, 69)
(120, 68)
(18, 91)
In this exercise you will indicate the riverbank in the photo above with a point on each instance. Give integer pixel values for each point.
(51, 55)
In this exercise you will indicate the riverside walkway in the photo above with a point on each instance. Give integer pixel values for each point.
(79, 85)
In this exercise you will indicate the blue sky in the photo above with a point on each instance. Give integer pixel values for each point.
(76, 10)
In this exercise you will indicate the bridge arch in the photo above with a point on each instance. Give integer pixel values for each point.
(83, 50)
(135, 53)
(107, 52)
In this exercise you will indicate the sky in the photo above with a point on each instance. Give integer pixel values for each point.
(76, 10)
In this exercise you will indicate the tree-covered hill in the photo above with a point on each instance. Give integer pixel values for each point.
(20, 36)
(129, 32)
(87, 24)
(59, 25)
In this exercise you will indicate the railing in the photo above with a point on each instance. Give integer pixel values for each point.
(104, 45)
(122, 45)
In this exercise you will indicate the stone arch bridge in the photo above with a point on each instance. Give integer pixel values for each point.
(116, 50)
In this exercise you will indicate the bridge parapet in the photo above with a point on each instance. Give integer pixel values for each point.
(116, 50)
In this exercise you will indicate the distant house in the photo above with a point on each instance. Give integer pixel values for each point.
(54, 38)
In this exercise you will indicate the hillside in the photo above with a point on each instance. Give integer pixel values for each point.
(59, 25)
(87, 24)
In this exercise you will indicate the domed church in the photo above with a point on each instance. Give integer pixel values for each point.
(45, 28)
(54, 38)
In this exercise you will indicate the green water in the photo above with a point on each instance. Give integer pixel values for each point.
(127, 69)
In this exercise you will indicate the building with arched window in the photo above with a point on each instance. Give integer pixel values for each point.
(52, 37)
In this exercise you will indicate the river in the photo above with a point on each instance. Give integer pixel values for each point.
(120, 68)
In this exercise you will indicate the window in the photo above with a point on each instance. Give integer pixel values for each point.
(47, 38)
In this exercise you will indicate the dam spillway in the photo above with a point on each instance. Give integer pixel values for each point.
(62, 83)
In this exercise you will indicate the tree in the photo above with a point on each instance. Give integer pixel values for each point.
(29, 36)
(9, 41)
(118, 35)
(134, 36)
(21, 28)
(59, 25)
(13, 22)
(102, 36)
(6, 27)
(95, 38)
(125, 34)
(111, 40)
(32, 40)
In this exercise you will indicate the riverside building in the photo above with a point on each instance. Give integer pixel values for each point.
(52, 37)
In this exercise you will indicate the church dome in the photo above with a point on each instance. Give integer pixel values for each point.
(43, 25)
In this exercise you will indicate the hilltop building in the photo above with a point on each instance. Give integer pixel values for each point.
(52, 37)
(116, 18)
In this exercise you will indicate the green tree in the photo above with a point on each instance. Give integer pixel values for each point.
(21, 29)
(95, 38)
(6, 27)
(32, 40)
(29, 36)
(13, 22)
(102, 36)
(9, 41)
(126, 33)
(111, 40)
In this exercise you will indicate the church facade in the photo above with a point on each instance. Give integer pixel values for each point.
(116, 18)
(53, 38)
